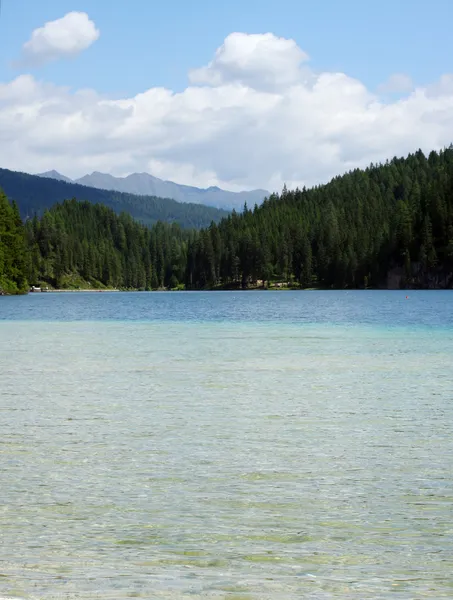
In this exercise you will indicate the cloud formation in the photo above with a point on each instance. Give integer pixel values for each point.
(255, 116)
(256, 60)
(398, 83)
(65, 37)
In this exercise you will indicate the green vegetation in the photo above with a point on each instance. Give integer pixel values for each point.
(36, 194)
(13, 249)
(83, 245)
(390, 224)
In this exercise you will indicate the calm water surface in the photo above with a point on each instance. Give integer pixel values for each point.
(226, 446)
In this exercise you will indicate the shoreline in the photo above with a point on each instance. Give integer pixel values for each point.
(105, 291)
(239, 289)
(90, 290)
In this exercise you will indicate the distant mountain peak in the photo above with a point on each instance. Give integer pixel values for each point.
(36, 194)
(55, 175)
(145, 184)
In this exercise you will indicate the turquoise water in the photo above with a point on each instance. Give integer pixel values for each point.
(379, 308)
(226, 446)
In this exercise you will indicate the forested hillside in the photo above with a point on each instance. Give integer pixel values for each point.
(35, 194)
(78, 243)
(390, 225)
(387, 226)
(13, 249)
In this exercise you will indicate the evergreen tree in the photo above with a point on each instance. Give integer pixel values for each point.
(14, 256)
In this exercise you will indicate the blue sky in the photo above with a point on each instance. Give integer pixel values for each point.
(146, 43)
(207, 93)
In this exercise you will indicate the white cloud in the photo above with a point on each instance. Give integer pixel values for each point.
(64, 37)
(257, 60)
(398, 83)
(256, 116)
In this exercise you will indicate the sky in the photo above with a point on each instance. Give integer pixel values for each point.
(240, 94)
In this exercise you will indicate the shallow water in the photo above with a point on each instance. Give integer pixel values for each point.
(260, 446)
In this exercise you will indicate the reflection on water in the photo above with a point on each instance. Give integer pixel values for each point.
(216, 460)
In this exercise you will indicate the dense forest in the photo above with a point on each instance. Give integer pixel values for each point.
(35, 194)
(390, 225)
(79, 243)
(14, 252)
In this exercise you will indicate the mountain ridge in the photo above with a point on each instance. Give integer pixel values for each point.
(55, 175)
(34, 195)
(145, 184)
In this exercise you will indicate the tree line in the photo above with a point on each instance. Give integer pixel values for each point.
(14, 253)
(353, 232)
(79, 244)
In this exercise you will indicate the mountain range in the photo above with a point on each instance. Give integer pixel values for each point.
(144, 184)
(35, 194)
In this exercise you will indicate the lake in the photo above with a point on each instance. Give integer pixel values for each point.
(226, 445)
